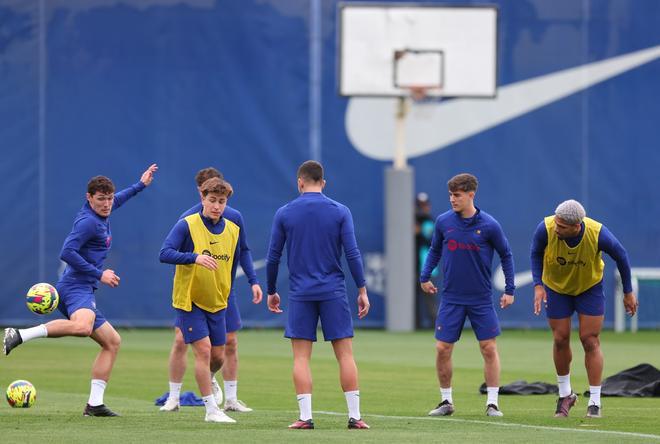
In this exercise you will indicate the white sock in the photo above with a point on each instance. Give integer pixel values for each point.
(305, 405)
(492, 395)
(353, 402)
(231, 389)
(564, 383)
(96, 393)
(175, 390)
(594, 395)
(39, 331)
(209, 403)
(446, 395)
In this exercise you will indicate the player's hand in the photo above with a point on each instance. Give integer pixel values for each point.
(631, 303)
(429, 288)
(363, 302)
(274, 303)
(148, 175)
(539, 296)
(110, 278)
(506, 300)
(257, 294)
(206, 261)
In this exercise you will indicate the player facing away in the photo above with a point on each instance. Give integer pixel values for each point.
(315, 229)
(177, 362)
(204, 246)
(567, 268)
(84, 252)
(466, 238)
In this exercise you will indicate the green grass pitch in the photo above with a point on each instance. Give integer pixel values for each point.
(397, 382)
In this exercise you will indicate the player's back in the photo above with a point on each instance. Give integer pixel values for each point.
(313, 225)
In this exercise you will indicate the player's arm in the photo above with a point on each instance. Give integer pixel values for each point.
(177, 249)
(145, 180)
(501, 245)
(275, 246)
(611, 245)
(432, 260)
(354, 260)
(83, 230)
(245, 255)
(537, 251)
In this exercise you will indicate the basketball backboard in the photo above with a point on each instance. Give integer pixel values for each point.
(387, 48)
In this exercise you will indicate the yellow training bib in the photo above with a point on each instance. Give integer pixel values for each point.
(208, 289)
(572, 271)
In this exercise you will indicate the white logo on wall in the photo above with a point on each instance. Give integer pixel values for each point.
(370, 122)
(374, 272)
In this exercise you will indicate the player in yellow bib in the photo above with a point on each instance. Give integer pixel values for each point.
(567, 267)
(204, 247)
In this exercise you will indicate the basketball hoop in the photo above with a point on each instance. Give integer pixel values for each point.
(421, 94)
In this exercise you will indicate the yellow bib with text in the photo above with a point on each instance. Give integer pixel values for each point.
(208, 289)
(572, 271)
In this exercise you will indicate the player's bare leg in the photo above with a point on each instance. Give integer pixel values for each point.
(562, 357)
(177, 368)
(302, 381)
(348, 378)
(491, 357)
(230, 375)
(205, 358)
(80, 324)
(110, 341)
(444, 371)
(590, 328)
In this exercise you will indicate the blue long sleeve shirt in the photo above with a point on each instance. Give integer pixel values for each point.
(466, 246)
(178, 247)
(89, 242)
(245, 255)
(606, 242)
(315, 229)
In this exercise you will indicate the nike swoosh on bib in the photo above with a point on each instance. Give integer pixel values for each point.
(370, 122)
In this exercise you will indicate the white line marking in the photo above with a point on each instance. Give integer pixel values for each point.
(503, 424)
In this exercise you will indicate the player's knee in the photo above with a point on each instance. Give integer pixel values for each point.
(179, 347)
(489, 349)
(562, 340)
(83, 329)
(231, 346)
(590, 343)
(443, 349)
(114, 343)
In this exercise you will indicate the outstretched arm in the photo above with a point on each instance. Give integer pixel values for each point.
(125, 194)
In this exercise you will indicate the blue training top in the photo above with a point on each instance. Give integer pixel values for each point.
(314, 228)
(245, 256)
(606, 242)
(87, 246)
(467, 246)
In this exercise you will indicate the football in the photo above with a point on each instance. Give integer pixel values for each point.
(21, 394)
(42, 298)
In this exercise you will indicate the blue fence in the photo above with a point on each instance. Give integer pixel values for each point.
(108, 87)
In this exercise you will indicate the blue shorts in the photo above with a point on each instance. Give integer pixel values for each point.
(73, 297)
(335, 316)
(232, 316)
(198, 324)
(451, 317)
(590, 303)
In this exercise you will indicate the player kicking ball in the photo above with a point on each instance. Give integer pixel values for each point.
(84, 252)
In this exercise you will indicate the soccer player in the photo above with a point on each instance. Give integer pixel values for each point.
(466, 238)
(177, 363)
(315, 229)
(567, 268)
(204, 247)
(84, 252)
